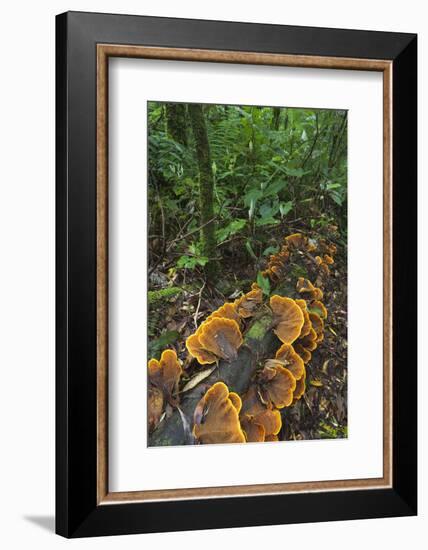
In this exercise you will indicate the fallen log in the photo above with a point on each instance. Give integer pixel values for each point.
(260, 343)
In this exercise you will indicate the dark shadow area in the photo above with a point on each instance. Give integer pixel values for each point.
(45, 522)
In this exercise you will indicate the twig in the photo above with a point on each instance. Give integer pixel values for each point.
(180, 238)
(195, 317)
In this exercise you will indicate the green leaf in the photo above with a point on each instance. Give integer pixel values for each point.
(285, 207)
(250, 250)
(266, 221)
(274, 188)
(296, 172)
(165, 340)
(252, 196)
(265, 210)
(190, 262)
(270, 250)
(202, 260)
(230, 229)
(263, 283)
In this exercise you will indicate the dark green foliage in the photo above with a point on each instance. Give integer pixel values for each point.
(254, 169)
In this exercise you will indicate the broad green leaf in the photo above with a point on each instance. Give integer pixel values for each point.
(250, 250)
(285, 208)
(263, 283)
(270, 250)
(260, 222)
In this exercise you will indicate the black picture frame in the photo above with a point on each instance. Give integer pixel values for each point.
(77, 512)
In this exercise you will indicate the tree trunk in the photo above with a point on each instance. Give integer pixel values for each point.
(176, 122)
(276, 117)
(206, 189)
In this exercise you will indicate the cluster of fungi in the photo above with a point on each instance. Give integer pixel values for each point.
(278, 382)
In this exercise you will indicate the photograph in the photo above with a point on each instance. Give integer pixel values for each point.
(247, 274)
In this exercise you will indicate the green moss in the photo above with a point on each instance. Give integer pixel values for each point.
(156, 296)
(298, 271)
(259, 328)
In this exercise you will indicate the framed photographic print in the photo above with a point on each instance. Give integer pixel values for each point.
(236, 274)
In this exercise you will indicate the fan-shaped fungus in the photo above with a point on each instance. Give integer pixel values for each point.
(247, 304)
(288, 318)
(276, 386)
(235, 400)
(291, 360)
(257, 421)
(154, 407)
(304, 353)
(216, 417)
(328, 259)
(319, 308)
(226, 311)
(195, 348)
(307, 325)
(297, 240)
(221, 337)
(309, 342)
(309, 291)
(300, 387)
(215, 338)
(329, 249)
(276, 264)
(318, 326)
(165, 374)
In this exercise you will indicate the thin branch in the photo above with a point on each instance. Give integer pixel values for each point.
(195, 317)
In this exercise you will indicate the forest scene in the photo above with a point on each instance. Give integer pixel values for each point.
(247, 274)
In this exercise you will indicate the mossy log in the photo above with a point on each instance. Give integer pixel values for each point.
(260, 343)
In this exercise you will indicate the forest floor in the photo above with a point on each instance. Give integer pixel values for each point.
(322, 411)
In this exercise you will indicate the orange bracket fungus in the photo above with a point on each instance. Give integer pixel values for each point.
(164, 376)
(247, 304)
(154, 406)
(309, 291)
(226, 311)
(291, 360)
(297, 240)
(195, 348)
(328, 259)
(217, 338)
(319, 308)
(288, 318)
(216, 417)
(304, 353)
(165, 373)
(276, 386)
(309, 342)
(269, 438)
(257, 421)
(276, 265)
(317, 325)
(307, 325)
(300, 387)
